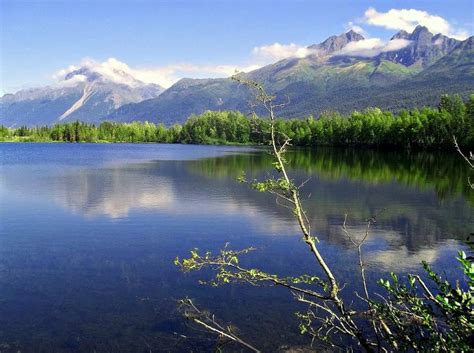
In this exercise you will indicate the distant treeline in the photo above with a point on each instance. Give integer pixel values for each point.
(418, 128)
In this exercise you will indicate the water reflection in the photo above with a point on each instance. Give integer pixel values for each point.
(86, 249)
(441, 172)
(112, 191)
(424, 197)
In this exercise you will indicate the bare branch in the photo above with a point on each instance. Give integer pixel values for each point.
(210, 324)
(469, 160)
(471, 156)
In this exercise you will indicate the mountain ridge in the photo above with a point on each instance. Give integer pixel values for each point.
(338, 74)
(82, 94)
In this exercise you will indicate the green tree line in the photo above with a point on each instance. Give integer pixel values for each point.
(417, 128)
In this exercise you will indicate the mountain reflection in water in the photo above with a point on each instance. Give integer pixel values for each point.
(89, 233)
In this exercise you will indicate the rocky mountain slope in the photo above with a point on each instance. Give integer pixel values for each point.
(82, 94)
(413, 69)
(343, 73)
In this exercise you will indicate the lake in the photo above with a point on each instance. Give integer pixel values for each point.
(89, 232)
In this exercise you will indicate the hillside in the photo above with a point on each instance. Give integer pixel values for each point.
(330, 79)
(83, 94)
(411, 70)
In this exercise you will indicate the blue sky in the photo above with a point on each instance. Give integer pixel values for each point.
(167, 40)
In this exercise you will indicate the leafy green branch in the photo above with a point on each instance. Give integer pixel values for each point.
(228, 270)
(441, 318)
(412, 315)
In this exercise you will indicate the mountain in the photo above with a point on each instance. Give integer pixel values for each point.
(193, 96)
(186, 97)
(337, 75)
(452, 73)
(424, 48)
(458, 63)
(336, 43)
(82, 94)
(343, 73)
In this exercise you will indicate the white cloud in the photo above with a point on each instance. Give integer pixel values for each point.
(119, 72)
(372, 47)
(166, 75)
(276, 51)
(111, 69)
(63, 72)
(366, 47)
(260, 56)
(356, 28)
(169, 74)
(72, 81)
(395, 44)
(408, 19)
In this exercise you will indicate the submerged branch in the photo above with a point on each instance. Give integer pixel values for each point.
(209, 323)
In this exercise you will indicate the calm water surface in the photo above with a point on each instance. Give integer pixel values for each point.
(88, 234)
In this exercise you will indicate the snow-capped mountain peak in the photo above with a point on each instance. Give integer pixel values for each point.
(89, 93)
(109, 71)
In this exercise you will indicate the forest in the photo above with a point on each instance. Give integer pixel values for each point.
(425, 128)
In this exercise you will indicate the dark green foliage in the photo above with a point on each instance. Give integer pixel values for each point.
(216, 127)
(440, 319)
(424, 128)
